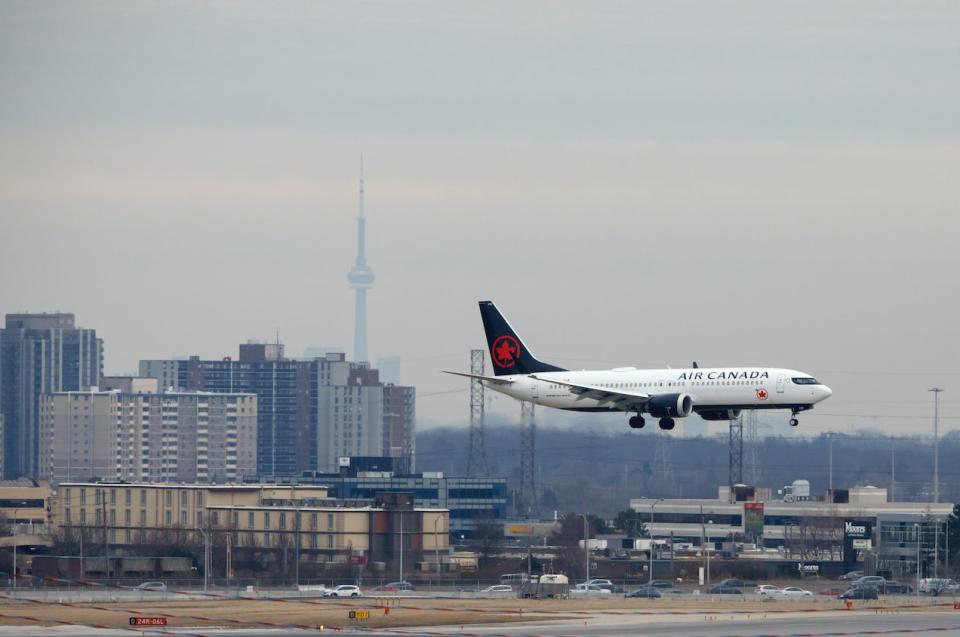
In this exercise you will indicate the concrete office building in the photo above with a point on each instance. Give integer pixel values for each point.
(171, 437)
(40, 354)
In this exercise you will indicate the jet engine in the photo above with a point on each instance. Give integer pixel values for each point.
(670, 406)
(719, 414)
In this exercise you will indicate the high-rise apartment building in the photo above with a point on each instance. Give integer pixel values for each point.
(40, 354)
(399, 422)
(310, 412)
(349, 415)
(285, 445)
(172, 437)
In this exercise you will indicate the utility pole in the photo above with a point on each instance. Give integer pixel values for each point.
(401, 545)
(936, 441)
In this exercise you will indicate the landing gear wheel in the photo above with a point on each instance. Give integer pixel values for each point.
(794, 422)
(666, 424)
(637, 422)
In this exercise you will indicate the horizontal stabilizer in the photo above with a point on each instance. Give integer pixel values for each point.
(492, 379)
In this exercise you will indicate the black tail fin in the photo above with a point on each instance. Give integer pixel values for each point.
(507, 352)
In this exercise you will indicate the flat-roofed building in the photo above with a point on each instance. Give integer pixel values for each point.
(258, 517)
(40, 354)
(170, 437)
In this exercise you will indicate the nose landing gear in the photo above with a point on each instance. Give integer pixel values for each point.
(793, 418)
(637, 422)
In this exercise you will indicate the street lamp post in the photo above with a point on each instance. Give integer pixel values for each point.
(15, 549)
(206, 556)
(401, 546)
(586, 547)
(436, 544)
(917, 525)
(936, 441)
(650, 533)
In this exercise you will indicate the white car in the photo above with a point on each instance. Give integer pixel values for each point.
(498, 588)
(589, 590)
(768, 590)
(793, 591)
(344, 590)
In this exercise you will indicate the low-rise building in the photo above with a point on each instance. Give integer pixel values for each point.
(258, 517)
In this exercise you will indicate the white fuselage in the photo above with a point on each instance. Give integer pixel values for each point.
(720, 388)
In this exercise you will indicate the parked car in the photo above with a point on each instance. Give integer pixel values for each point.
(894, 587)
(851, 575)
(833, 591)
(868, 580)
(588, 590)
(344, 590)
(793, 591)
(498, 588)
(396, 587)
(725, 589)
(732, 581)
(768, 590)
(938, 586)
(860, 592)
(661, 583)
(151, 586)
(646, 592)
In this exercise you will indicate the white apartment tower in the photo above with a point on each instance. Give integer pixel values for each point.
(171, 437)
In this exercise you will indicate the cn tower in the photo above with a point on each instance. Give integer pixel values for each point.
(360, 279)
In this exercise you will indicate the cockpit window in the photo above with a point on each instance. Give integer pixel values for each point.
(805, 381)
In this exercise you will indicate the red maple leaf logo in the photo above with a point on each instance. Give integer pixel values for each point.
(762, 394)
(505, 351)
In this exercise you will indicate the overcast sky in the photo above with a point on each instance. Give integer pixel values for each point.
(635, 183)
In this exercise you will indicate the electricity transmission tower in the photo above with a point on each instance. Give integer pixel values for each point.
(752, 441)
(528, 460)
(662, 465)
(477, 457)
(736, 450)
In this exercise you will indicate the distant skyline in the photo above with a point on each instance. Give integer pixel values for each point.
(634, 183)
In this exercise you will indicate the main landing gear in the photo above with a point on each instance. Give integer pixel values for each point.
(637, 422)
(666, 424)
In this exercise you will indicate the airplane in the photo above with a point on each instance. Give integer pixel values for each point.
(667, 394)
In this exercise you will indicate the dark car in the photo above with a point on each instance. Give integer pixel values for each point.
(661, 583)
(725, 589)
(894, 587)
(736, 583)
(647, 592)
(394, 587)
(860, 592)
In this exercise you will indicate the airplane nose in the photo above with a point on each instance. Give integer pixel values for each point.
(826, 392)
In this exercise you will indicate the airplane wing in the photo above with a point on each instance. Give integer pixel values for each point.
(493, 379)
(620, 399)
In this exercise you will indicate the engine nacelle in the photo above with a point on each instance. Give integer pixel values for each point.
(719, 414)
(670, 406)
